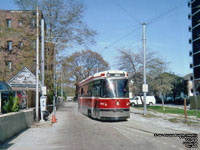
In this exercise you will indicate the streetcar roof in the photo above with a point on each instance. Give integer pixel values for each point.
(104, 74)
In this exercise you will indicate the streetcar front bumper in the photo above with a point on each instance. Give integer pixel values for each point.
(114, 114)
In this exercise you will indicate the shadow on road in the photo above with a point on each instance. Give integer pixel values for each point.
(6, 145)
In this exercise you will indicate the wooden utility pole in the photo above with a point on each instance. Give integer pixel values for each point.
(185, 109)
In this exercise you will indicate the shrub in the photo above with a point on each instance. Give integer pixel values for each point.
(12, 105)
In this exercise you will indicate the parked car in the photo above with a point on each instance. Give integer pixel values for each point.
(6, 92)
(180, 100)
(138, 100)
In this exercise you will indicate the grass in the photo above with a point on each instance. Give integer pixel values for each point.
(174, 111)
(174, 120)
(149, 116)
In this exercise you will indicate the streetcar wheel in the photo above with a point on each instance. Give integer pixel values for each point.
(89, 113)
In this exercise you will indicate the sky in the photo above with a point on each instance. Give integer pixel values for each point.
(114, 21)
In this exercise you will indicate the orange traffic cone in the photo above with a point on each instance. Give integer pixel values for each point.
(53, 119)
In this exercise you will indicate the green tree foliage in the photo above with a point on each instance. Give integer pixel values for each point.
(163, 85)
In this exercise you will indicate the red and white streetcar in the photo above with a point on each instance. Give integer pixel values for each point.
(105, 96)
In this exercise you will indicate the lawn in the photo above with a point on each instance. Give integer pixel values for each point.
(174, 110)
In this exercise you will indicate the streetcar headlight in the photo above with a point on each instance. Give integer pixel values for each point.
(117, 103)
(127, 104)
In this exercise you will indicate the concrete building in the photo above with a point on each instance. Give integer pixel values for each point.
(194, 16)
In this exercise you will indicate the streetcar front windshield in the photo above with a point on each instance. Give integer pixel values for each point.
(115, 88)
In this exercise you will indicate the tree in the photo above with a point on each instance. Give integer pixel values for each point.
(81, 65)
(163, 85)
(132, 62)
(64, 24)
(63, 20)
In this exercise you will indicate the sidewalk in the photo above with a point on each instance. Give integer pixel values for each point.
(40, 136)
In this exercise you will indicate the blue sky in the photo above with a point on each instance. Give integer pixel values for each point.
(168, 35)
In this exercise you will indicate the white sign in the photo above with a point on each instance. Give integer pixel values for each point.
(43, 100)
(44, 90)
(145, 87)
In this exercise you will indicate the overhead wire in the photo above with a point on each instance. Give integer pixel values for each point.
(122, 8)
(153, 20)
(123, 37)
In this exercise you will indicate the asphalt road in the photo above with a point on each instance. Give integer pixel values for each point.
(74, 131)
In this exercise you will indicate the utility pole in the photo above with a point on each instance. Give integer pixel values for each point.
(145, 86)
(42, 50)
(37, 69)
(42, 67)
(54, 84)
(61, 79)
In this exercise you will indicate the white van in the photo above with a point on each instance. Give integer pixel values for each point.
(138, 100)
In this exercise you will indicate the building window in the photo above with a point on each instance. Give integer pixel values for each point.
(9, 45)
(20, 44)
(33, 44)
(9, 23)
(33, 24)
(20, 23)
(9, 65)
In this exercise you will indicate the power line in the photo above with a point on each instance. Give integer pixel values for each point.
(165, 13)
(123, 37)
(126, 12)
(148, 22)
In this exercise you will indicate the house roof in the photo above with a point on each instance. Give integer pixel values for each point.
(23, 79)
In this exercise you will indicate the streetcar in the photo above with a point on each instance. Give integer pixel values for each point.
(105, 96)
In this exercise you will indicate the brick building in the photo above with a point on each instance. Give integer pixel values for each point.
(18, 43)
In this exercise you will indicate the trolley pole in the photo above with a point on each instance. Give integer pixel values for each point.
(144, 87)
(37, 69)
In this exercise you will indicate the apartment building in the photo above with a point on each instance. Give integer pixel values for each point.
(18, 43)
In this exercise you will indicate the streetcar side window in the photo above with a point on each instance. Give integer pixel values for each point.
(89, 91)
(96, 88)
